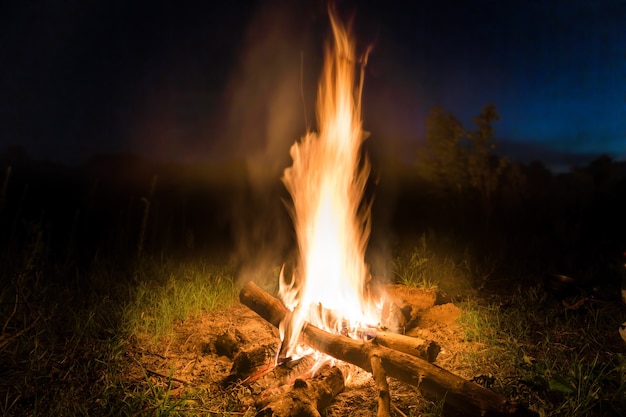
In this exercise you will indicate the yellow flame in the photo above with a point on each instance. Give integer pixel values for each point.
(332, 222)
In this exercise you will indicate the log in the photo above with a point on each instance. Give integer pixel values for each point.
(468, 397)
(415, 346)
(380, 378)
(272, 310)
(307, 398)
(422, 348)
(275, 382)
(250, 365)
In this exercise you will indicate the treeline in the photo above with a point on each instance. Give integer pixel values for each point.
(119, 206)
(459, 186)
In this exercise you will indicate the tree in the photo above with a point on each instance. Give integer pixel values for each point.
(484, 168)
(444, 159)
(460, 162)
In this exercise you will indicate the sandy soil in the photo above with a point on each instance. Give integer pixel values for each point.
(196, 358)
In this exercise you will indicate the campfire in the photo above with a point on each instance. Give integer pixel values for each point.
(329, 307)
(329, 286)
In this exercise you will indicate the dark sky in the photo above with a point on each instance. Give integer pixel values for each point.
(194, 80)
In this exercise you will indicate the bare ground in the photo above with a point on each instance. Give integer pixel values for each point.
(194, 364)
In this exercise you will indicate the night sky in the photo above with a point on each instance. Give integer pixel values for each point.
(196, 81)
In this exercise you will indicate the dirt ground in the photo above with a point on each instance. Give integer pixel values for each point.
(196, 359)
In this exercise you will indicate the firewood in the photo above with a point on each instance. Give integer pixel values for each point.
(406, 303)
(251, 364)
(269, 384)
(432, 380)
(272, 310)
(414, 346)
(380, 378)
(307, 398)
(256, 369)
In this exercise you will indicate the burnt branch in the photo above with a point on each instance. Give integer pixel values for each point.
(432, 380)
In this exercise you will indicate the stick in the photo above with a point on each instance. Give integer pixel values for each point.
(432, 380)
(160, 375)
(384, 401)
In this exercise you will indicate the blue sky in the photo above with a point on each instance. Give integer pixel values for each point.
(556, 70)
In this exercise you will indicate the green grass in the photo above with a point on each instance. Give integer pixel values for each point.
(66, 333)
(64, 338)
(528, 345)
(563, 362)
(170, 293)
(436, 263)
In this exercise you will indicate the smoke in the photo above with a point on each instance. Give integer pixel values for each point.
(270, 103)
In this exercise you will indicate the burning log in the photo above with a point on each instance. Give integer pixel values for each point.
(307, 398)
(414, 346)
(432, 380)
(272, 310)
(422, 348)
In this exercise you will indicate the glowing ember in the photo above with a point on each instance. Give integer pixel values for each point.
(332, 223)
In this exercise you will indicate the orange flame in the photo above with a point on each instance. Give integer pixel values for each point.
(332, 222)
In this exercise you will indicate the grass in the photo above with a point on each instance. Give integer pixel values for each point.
(180, 291)
(561, 358)
(66, 332)
(439, 263)
(562, 362)
(64, 343)
(422, 267)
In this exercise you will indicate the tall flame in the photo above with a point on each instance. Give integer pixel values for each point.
(332, 222)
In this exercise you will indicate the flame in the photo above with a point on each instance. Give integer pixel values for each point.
(332, 221)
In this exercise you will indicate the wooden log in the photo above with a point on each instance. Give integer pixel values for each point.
(307, 398)
(432, 380)
(414, 346)
(272, 310)
(276, 381)
(250, 365)
(380, 378)
(422, 348)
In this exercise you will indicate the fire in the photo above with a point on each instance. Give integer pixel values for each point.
(332, 221)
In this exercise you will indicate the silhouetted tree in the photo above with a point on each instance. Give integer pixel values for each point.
(484, 168)
(443, 161)
(457, 161)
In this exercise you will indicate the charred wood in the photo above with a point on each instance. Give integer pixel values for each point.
(432, 380)
(252, 364)
(272, 310)
(307, 398)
